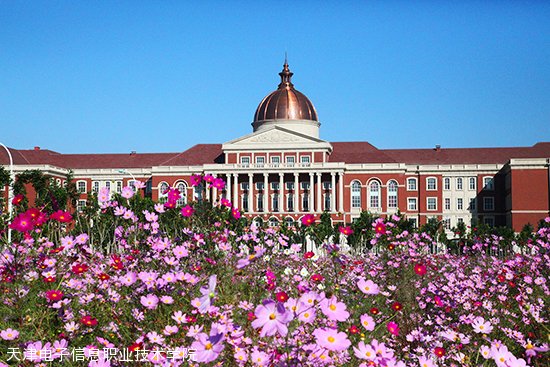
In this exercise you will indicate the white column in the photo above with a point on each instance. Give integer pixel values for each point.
(236, 196)
(250, 193)
(333, 192)
(266, 192)
(214, 192)
(228, 187)
(310, 193)
(319, 193)
(281, 192)
(296, 193)
(341, 192)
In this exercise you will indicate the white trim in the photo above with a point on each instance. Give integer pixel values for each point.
(427, 203)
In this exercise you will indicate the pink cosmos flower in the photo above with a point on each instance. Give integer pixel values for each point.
(218, 183)
(236, 213)
(425, 362)
(334, 310)
(225, 202)
(481, 326)
(150, 301)
(9, 334)
(346, 230)
(379, 226)
(367, 322)
(272, 317)
(195, 180)
(331, 339)
(368, 286)
(308, 220)
(127, 192)
(363, 351)
(187, 211)
(208, 347)
(208, 294)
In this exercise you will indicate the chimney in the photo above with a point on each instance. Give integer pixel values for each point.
(37, 148)
(437, 148)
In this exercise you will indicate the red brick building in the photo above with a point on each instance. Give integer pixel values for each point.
(283, 170)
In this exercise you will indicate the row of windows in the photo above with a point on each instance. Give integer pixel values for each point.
(82, 186)
(304, 159)
(488, 220)
(374, 194)
(275, 198)
(431, 203)
(431, 183)
(289, 185)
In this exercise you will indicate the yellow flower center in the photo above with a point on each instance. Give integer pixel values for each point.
(208, 346)
(331, 339)
(272, 316)
(367, 288)
(332, 307)
(306, 315)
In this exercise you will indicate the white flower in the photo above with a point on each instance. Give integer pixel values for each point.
(304, 272)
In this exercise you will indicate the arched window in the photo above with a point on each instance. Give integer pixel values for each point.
(355, 194)
(431, 183)
(446, 183)
(273, 222)
(163, 192)
(374, 194)
(182, 188)
(459, 183)
(392, 194)
(275, 202)
(290, 202)
(289, 222)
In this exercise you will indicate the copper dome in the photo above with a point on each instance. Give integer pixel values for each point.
(286, 103)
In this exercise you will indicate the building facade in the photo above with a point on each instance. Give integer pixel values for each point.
(284, 170)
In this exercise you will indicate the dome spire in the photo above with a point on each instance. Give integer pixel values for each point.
(286, 75)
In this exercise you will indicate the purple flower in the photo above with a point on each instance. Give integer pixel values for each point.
(208, 293)
(150, 301)
(272, 317)
(208, 348)
(334, 310)
(9, 334)
(331, 339)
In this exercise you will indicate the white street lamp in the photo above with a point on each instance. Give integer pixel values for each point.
(10, 190)
(126, 172)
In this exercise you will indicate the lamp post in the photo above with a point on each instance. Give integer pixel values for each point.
(126, 172)
(10, 189)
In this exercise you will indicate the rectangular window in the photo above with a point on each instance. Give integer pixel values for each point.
(327, 185)
(305, 202)
(260, 160)
(290, 160)
(95, 186)
(289, 185)
(259, 186)
(108, 185)
(392, 201)
(275, 186)
(82, 187)
(489, 203)
(488, 183)
(431, 184)
(411, 184)
(459, 183)
(414, 222)
(245, 202)
(275, 159)
(290, 202)
(81, 205)
(327, 202)
(411, 204)
(119, 186)
(473, 204)
(304, 185)
(447, 222)
(460, 220)
(432, 203)
(245, 161)
(472, 183)
(459, 204)
(244, 186)
(447, 204)
(490, 221)
(446, 183)
(305, 159)
(355, 201)
(260, 202)
(275, 202)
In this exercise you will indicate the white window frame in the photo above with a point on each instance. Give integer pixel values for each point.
(275, 159)
(289, 185)
(327, 185)
(374, 194)
(290, 202)
(275, 186)
(305, 159)
(470, 186)
(85, 189)
(245, 161)
(305, 202)
(428, 180)
(290, 160)
(392, 195)
(275, 202)
(260, 160)
(304, 185)
(447, 203)
(488, 183)
(259, 186)
(80, 205)
(244, 186)
(95, 186)
(355, 197)
(327, 201)
(409, 186)
(260, 202)
(163, 196)
(446, 183)
(447, 223)
(245, 202)
(459, 183)
(459, 204)
(412, 204)
(183, 198)
(118, 187)
(428, 199)
(273, 222)
(473, 204)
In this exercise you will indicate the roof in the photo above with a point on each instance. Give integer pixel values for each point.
(348, 152)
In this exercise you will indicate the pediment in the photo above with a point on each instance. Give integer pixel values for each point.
(274, 135)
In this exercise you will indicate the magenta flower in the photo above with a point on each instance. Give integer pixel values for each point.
(331, 339)
(218, 183)
(393, 328)
(195, 180)
(187, 211)
(272, 317)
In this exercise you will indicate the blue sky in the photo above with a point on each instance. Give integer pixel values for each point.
(161, 76)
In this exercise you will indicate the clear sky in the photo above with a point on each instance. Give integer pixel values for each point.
(161, 76)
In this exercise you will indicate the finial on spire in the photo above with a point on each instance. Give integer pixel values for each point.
(286, 75)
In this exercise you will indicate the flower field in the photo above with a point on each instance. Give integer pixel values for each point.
(132, 282)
